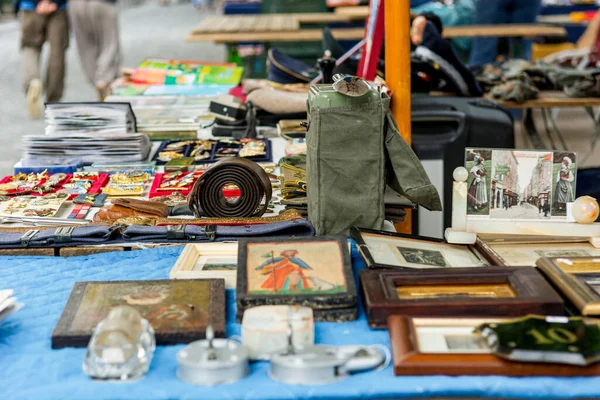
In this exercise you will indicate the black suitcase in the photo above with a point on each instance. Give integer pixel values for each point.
(442, 127)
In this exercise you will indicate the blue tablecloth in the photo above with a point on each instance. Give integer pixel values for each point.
(30, 369)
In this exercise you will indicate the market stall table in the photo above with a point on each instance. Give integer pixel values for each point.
(362, 12)
(551, 100)
(32, 370)
(278, 28)
(561, 19)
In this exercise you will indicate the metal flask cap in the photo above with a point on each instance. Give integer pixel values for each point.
(319, 365)
(212, 361)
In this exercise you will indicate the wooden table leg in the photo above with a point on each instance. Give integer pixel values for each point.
(531, 131)
(557, 131)
(596, 133)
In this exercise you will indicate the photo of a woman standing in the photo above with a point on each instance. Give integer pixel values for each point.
(565, 176)
(478, 192)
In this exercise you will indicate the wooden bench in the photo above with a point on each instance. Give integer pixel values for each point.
(288, 27)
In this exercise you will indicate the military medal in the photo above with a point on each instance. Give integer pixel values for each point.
(130, 177)
(535, 338)
(96, 200)
(79, 211)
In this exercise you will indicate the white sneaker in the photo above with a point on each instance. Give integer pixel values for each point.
(34, 93)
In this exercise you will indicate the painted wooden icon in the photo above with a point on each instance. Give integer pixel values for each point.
(314, 272)
(178, 311)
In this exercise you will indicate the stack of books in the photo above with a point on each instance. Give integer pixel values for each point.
(88, 147)
(89, 117)
(91, 132)
(169, 117)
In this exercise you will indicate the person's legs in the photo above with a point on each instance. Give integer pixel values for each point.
(58, 37)
(524, 12)
(82, 23)
(32, 39)
(484, 50)
(109, 57)
(31, 65)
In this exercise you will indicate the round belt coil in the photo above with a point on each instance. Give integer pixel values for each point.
(207, 199)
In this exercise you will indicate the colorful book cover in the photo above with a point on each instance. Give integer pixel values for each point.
(177, 72)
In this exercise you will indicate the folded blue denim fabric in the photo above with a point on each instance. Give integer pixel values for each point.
(219, 233)
(67, 236)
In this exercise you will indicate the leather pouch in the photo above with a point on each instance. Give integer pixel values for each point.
(122, 208)
(148, 207)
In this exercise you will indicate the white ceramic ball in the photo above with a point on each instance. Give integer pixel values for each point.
(585, 210)
(460, 174)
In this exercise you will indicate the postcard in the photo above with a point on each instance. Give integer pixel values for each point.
(520, 184)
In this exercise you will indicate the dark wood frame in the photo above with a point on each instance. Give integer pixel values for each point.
(533, 294)
(363, 249)
(342, 300)
(577, 292)
(63, 336)
(409, 361)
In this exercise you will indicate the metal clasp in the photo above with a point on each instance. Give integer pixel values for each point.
(26, 238)
(64, 234)
(176, 232)
(211, 232)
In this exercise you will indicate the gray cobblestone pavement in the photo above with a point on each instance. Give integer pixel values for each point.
(147, 30)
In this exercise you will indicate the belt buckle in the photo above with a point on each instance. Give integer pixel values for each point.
(64, 234)
(26, 238)
(175, 232)
(211, 232)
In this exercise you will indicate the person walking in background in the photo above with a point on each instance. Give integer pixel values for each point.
(96, 27)
(488, 12)
(43, 21)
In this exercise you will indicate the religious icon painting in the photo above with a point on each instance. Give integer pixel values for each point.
(520, 184)
(314, 272)
(179, 311)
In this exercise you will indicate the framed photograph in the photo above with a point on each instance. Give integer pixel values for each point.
(179, 311)
(206, 261)
(461, 292)
(578, 278)
(520, 184)
(448, 346)
(314, 272)
(523, 250)
(381, 249)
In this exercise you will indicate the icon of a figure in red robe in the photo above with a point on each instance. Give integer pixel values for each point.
(285, 272)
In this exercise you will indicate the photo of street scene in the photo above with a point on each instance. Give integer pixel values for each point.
(520, 184)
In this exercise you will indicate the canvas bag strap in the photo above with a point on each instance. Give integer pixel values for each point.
(406, 174)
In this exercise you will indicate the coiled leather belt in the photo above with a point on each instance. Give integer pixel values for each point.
(207, 200)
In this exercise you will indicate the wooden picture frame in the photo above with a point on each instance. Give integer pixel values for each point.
(461, 292)
(327, 283)
(380, 249)
(577, 278)
(410, 358)
(525, 250)
(207, 261)
(196, 302)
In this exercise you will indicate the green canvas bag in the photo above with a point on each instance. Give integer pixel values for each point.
(354, 149)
